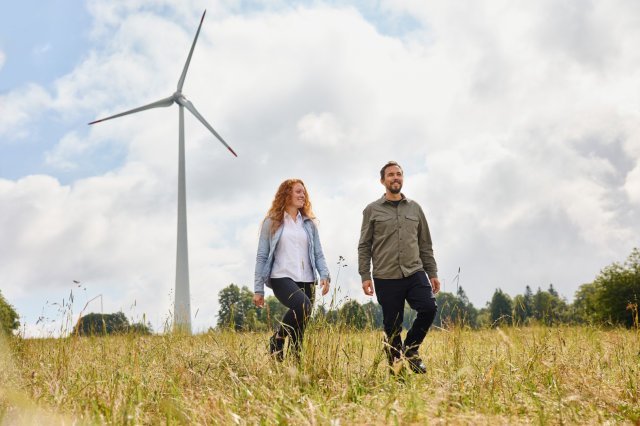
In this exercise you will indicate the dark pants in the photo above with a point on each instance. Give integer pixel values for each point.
(416, 290)
(298, 297)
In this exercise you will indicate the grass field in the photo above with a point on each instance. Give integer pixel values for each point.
(537, 375)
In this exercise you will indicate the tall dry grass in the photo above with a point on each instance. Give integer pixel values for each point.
(573, 375)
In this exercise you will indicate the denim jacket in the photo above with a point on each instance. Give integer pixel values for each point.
(267, 247)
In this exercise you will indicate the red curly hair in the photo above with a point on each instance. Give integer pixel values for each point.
(279, 203)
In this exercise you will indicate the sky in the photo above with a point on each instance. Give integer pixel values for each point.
(516, 123)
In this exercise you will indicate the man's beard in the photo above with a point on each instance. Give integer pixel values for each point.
(393, 190)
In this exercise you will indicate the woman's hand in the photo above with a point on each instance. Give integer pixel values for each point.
(325, 286)
(258, 300)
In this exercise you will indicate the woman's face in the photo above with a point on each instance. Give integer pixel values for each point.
(298, 196)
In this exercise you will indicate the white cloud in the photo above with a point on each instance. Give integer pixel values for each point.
(19, 108)
(321, 129)
(524, 155)
(3, 57)
(632, 184)
(70, 147)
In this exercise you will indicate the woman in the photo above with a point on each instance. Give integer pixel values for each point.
(289, 254)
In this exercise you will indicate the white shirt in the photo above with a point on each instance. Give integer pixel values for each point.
(291, 258)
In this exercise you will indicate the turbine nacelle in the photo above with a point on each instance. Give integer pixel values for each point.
(178, 95)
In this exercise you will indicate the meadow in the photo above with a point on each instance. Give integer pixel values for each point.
(541, 375)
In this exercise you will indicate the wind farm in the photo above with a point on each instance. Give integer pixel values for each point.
(182, 298)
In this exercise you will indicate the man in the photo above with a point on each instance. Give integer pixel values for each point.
(395, 238)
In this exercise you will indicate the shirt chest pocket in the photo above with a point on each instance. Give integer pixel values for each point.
(384, 225)
(411, 222)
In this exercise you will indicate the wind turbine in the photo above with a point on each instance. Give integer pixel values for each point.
(182, 304)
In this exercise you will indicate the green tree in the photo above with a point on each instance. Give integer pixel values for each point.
(448, 306)
(8, 316)
(353, 314)
(141, 328)
(236, 308)
(101, 324)
(619, 287)
(333, 316)
(501, 308)
(585, 304)
(613, 294)
(455, 310)
(229, 299)
(484, 316)
(253, 320)
(520, 314)
(467, 314)
(373, 312)
(548, 307)
(523, 307)
(528, 303)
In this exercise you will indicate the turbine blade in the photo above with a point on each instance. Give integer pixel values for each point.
(187, 104)
(158, 104)
(193, 45)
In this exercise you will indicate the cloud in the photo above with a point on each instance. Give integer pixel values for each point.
(632, 185)
(523, 153)
(321, 129)
(20, 108)
(70, 147)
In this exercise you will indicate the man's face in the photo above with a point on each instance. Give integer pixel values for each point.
(393, 179)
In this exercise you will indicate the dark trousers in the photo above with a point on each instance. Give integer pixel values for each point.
(392, 293)
(298, 297)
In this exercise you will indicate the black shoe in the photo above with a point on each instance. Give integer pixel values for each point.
(276, 347)
(415, 363)
(417, 366)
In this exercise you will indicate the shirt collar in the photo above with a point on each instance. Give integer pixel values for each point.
(288, 217)
(383, 199)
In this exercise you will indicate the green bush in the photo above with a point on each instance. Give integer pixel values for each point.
(8, 317)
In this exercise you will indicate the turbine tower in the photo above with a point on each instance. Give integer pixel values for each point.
(182, 304)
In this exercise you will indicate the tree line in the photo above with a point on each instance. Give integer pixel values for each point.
(611, 299)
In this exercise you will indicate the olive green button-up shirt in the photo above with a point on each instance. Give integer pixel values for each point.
(396, 239)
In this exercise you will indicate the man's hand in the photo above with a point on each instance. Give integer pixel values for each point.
(258, 300)
(435, 285)
(325, 286)
(367, 287)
